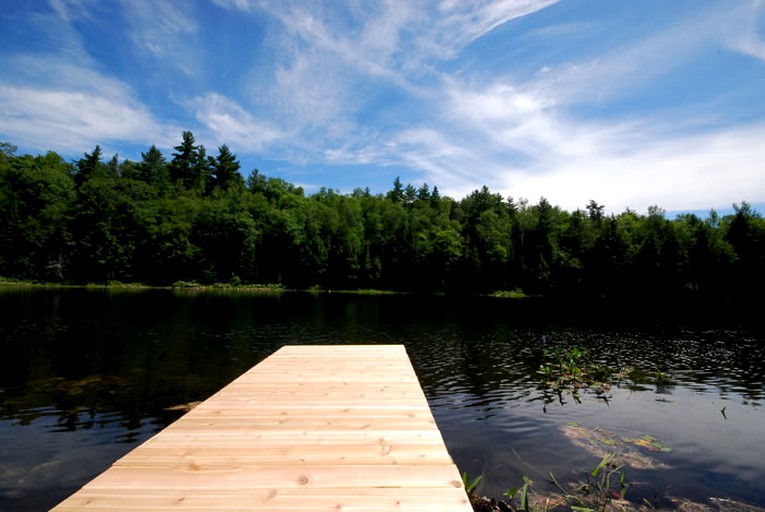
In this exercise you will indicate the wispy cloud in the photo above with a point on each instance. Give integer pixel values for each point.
(460, 23)
(83, 106)
(745, 37)
(63, 120)
(242, 5)
(638, 61)
(228, 123)
(519, 142)
(36, 70)
(531, 138)
(81, 109)
(570, 162)
(70, 10)
(696, 172)
(56, 25)
(331, 55)
(161, 29)
(577, 108)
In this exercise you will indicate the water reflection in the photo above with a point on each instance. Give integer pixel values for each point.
(84, 375)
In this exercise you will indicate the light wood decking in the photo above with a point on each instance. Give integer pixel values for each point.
(310, 428)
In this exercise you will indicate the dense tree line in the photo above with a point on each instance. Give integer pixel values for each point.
(195, 218)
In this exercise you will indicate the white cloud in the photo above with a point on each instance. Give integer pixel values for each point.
(80, 109)
(310, 95)
(526, 139)
(242, 5)
(447, 160)
(230, 124)
(71, 121)
(323, 70)
(388, 83)
(56, 26)
(501, 114)
(61, 99)
(330, 55)
(630, 65)
(694, 172)
(70, 10)
(162, 29)
(35, 71)
(519, 141)
(750, 44)
(461, 22)
(619, 167)
(745, 37)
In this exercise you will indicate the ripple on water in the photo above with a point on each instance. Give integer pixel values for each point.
(477, 362)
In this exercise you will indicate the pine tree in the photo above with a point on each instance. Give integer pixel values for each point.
(153, 168)
(89, 166)
(182, 165)
(225, 174)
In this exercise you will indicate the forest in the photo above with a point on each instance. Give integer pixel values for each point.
(195, 218)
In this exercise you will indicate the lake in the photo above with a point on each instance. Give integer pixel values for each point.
(87, 374)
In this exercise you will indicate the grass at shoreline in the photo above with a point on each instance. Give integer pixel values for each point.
(192, 286)
(510, 294)
(187, 286)
(117, 285)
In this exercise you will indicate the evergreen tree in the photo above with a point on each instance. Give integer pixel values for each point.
(423, 193)
(397, 194)
(202, 170)
(153, 169)
(89, 166)
(410, 193)
(225, 174)
(595, 211)
(95, 221)
(113, 167)
(183, 165)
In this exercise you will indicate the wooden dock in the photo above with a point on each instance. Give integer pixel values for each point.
(310, 428)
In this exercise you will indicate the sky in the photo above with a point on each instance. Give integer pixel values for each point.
(628, 103)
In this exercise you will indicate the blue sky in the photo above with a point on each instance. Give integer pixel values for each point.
(628, 103)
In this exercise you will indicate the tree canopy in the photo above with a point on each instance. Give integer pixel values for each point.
(195, 218)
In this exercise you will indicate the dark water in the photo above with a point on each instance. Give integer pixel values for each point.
(85, 375)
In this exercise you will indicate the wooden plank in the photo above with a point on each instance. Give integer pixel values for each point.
(371, 499)
(277, 475)
(310, 428)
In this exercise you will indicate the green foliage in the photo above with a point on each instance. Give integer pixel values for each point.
(511, 294)
(37, 196)
(225, 173)
(470, 485)
(573, 368)
(603, 486)
(152, 170)
(600, 482)
(522, 493)
(195, 219)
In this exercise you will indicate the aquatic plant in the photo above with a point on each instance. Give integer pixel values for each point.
(470, 485)
(524, 494)
(600, 482)
(604, 488)
(573, 369)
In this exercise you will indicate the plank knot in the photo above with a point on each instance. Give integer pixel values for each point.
(385, 446)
